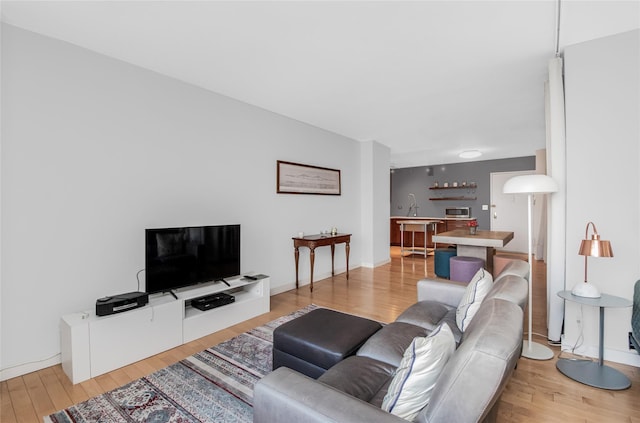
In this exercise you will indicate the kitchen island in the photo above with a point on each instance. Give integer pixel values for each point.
(421, 226)
(482, 245)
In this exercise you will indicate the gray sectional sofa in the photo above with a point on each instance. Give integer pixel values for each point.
(466, 391)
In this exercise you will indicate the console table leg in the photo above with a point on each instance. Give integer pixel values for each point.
(296, 254)
(333, 250)
(346, 249)
(312, 257)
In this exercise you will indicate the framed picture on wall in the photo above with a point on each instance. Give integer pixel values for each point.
(295, 178)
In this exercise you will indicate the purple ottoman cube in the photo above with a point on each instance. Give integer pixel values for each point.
(463, 268)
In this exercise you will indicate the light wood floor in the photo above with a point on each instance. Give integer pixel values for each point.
(536, 393)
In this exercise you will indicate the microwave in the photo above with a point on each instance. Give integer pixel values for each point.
(461, 212)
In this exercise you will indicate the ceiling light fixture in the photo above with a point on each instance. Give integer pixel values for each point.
(470, 154)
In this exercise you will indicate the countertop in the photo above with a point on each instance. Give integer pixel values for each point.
(480, 239)
(431, 218)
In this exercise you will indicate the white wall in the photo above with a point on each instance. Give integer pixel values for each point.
(602, 93)
(96, 150)
(1, 183)
(375, 194)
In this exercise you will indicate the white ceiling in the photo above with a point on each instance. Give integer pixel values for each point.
(426, 78)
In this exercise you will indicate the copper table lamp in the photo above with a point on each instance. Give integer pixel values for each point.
(594, 247)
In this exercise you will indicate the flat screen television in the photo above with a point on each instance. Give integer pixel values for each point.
(179, 257)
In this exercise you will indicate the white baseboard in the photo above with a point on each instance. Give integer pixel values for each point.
(305, 282)
(373, 265)
(630, 358)
(282, 288)
(23, 369)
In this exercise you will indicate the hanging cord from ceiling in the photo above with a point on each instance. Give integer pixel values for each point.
(558, 8)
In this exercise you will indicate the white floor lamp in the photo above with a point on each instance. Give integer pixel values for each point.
(531, 184)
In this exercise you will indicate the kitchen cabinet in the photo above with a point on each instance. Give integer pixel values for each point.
(453, 224)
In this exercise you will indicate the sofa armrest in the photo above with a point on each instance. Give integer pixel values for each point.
(288, 396)
(442, 291)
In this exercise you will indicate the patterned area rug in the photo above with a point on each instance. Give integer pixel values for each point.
(215, 385)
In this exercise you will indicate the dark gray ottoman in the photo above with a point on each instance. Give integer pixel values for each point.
(313, 343)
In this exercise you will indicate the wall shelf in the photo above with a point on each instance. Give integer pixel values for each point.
(453, 198)
(471, 189)
(474, 186)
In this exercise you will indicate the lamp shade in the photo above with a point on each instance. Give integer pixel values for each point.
(530, 184)
(595, 247)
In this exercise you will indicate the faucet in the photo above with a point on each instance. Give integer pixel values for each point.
(413, 205)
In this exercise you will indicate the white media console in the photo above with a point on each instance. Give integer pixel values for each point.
(93, 345)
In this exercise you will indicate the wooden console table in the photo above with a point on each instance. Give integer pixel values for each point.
(313, 241)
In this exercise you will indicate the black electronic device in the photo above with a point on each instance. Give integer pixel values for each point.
(254, 277)
(212, 301)
(179, 257)
(121, 302)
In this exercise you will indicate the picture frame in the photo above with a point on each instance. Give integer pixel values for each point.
(296, 178)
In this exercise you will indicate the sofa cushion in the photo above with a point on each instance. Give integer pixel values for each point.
(511, 288)
(422, 363)
(441, 291)
(390, 342)
(514, 268)
(361, 377)
(431, 314)
(450, 319)
(426, 314)
(477, 289)
(379, 397)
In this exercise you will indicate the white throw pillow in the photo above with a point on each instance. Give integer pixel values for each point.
(477, 289)
(423, 361)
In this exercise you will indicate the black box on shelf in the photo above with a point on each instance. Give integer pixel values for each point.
(212, 301)
(121, 302)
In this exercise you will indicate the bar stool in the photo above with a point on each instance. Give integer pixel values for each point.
(441, 260)
(463, 268)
